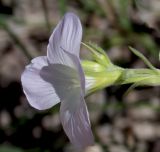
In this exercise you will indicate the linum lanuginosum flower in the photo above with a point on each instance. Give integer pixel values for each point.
(59, 77)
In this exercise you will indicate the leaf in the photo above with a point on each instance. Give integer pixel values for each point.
(136, 84)
(143, 58)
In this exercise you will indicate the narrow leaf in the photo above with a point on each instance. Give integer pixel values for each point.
(142, 57)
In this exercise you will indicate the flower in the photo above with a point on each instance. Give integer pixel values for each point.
(59, 77)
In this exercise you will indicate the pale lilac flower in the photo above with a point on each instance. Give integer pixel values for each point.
(59, 77)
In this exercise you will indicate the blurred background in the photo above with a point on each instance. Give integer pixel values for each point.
(120, 123)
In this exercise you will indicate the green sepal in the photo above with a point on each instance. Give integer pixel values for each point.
(98, 53)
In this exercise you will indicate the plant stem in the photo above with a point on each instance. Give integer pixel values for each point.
(140, 77)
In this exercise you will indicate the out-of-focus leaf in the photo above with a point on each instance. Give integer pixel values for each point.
(62, 6)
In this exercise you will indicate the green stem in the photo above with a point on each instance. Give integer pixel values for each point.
(140, 77)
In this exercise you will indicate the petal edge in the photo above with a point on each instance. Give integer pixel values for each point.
(39, 93)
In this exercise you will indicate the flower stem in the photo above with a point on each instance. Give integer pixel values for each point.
(140, 77)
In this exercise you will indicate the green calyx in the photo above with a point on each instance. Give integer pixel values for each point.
(104, 73)
(101, 70)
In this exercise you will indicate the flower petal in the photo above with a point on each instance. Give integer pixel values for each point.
(76, 122)
(73, 112)
(40, 94)
(63, 80)
(67, 35)
(77, 65)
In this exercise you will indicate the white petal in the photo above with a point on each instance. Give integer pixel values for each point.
(67, 35)
(63, 80)
(77, 65)
(73, 111)
(40, 94)
(76, 122)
